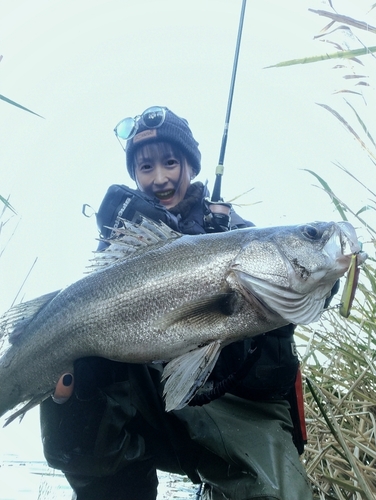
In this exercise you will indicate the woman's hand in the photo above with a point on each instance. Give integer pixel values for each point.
(89, 376)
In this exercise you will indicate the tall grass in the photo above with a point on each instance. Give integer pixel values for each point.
(340, 398)
(338, 363)
(340, 387)
(13, 103)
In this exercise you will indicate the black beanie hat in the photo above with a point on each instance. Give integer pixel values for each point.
(174, 130)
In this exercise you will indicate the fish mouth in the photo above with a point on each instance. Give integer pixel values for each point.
(349, 247)
(350, 244)
(340, 248)
(297, 298)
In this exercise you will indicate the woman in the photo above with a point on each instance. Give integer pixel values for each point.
(112, 434)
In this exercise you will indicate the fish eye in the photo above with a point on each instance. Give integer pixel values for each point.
(311, 232)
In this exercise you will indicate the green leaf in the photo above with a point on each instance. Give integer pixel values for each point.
(363, 125)
(3, 98)
(350, 21)
(345, 54)
(364, 209)
(321, 407)
(329, 191)
(7, 204)
(349, 128)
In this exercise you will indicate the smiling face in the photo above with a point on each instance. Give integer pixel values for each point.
(162, 171)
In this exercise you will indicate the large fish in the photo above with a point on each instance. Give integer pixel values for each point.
(156, 295)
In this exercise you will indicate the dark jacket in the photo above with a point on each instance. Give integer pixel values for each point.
(274, 373)
(116, 420)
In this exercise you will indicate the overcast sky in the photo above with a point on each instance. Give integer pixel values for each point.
(84, 65)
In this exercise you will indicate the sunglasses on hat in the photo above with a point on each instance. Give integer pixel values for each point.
(151, 118)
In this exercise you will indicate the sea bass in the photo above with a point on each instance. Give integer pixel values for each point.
(156, 295)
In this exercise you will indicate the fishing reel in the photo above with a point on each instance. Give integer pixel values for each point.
(216, 216)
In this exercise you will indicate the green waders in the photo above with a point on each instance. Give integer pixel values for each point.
(247, 450)
(110, 447)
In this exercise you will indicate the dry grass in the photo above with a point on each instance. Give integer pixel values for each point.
(340, 396)
(338, 364)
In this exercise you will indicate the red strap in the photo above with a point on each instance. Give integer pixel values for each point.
(300, 404)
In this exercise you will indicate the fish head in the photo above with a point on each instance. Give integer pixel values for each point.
(291, 270)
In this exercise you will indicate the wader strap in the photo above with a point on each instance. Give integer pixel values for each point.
(296, 400)
(300, 405)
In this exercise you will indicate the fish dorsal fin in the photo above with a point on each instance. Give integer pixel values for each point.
(185, 374)
(14, 321)
(132, 239)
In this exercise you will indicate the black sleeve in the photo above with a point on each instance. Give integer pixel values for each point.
(91, 438)
(273, 374)
(122, 202)
(238, 222)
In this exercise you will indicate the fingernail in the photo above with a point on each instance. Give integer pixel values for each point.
(64, 389)
(67, 380)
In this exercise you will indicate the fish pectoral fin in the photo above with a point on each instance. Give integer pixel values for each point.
(187, 373)
(28, 406)
(203, 310)
(14, 321)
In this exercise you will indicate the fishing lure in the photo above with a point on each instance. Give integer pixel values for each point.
(351, 284)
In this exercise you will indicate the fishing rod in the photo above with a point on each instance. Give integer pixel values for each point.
(216, 196)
